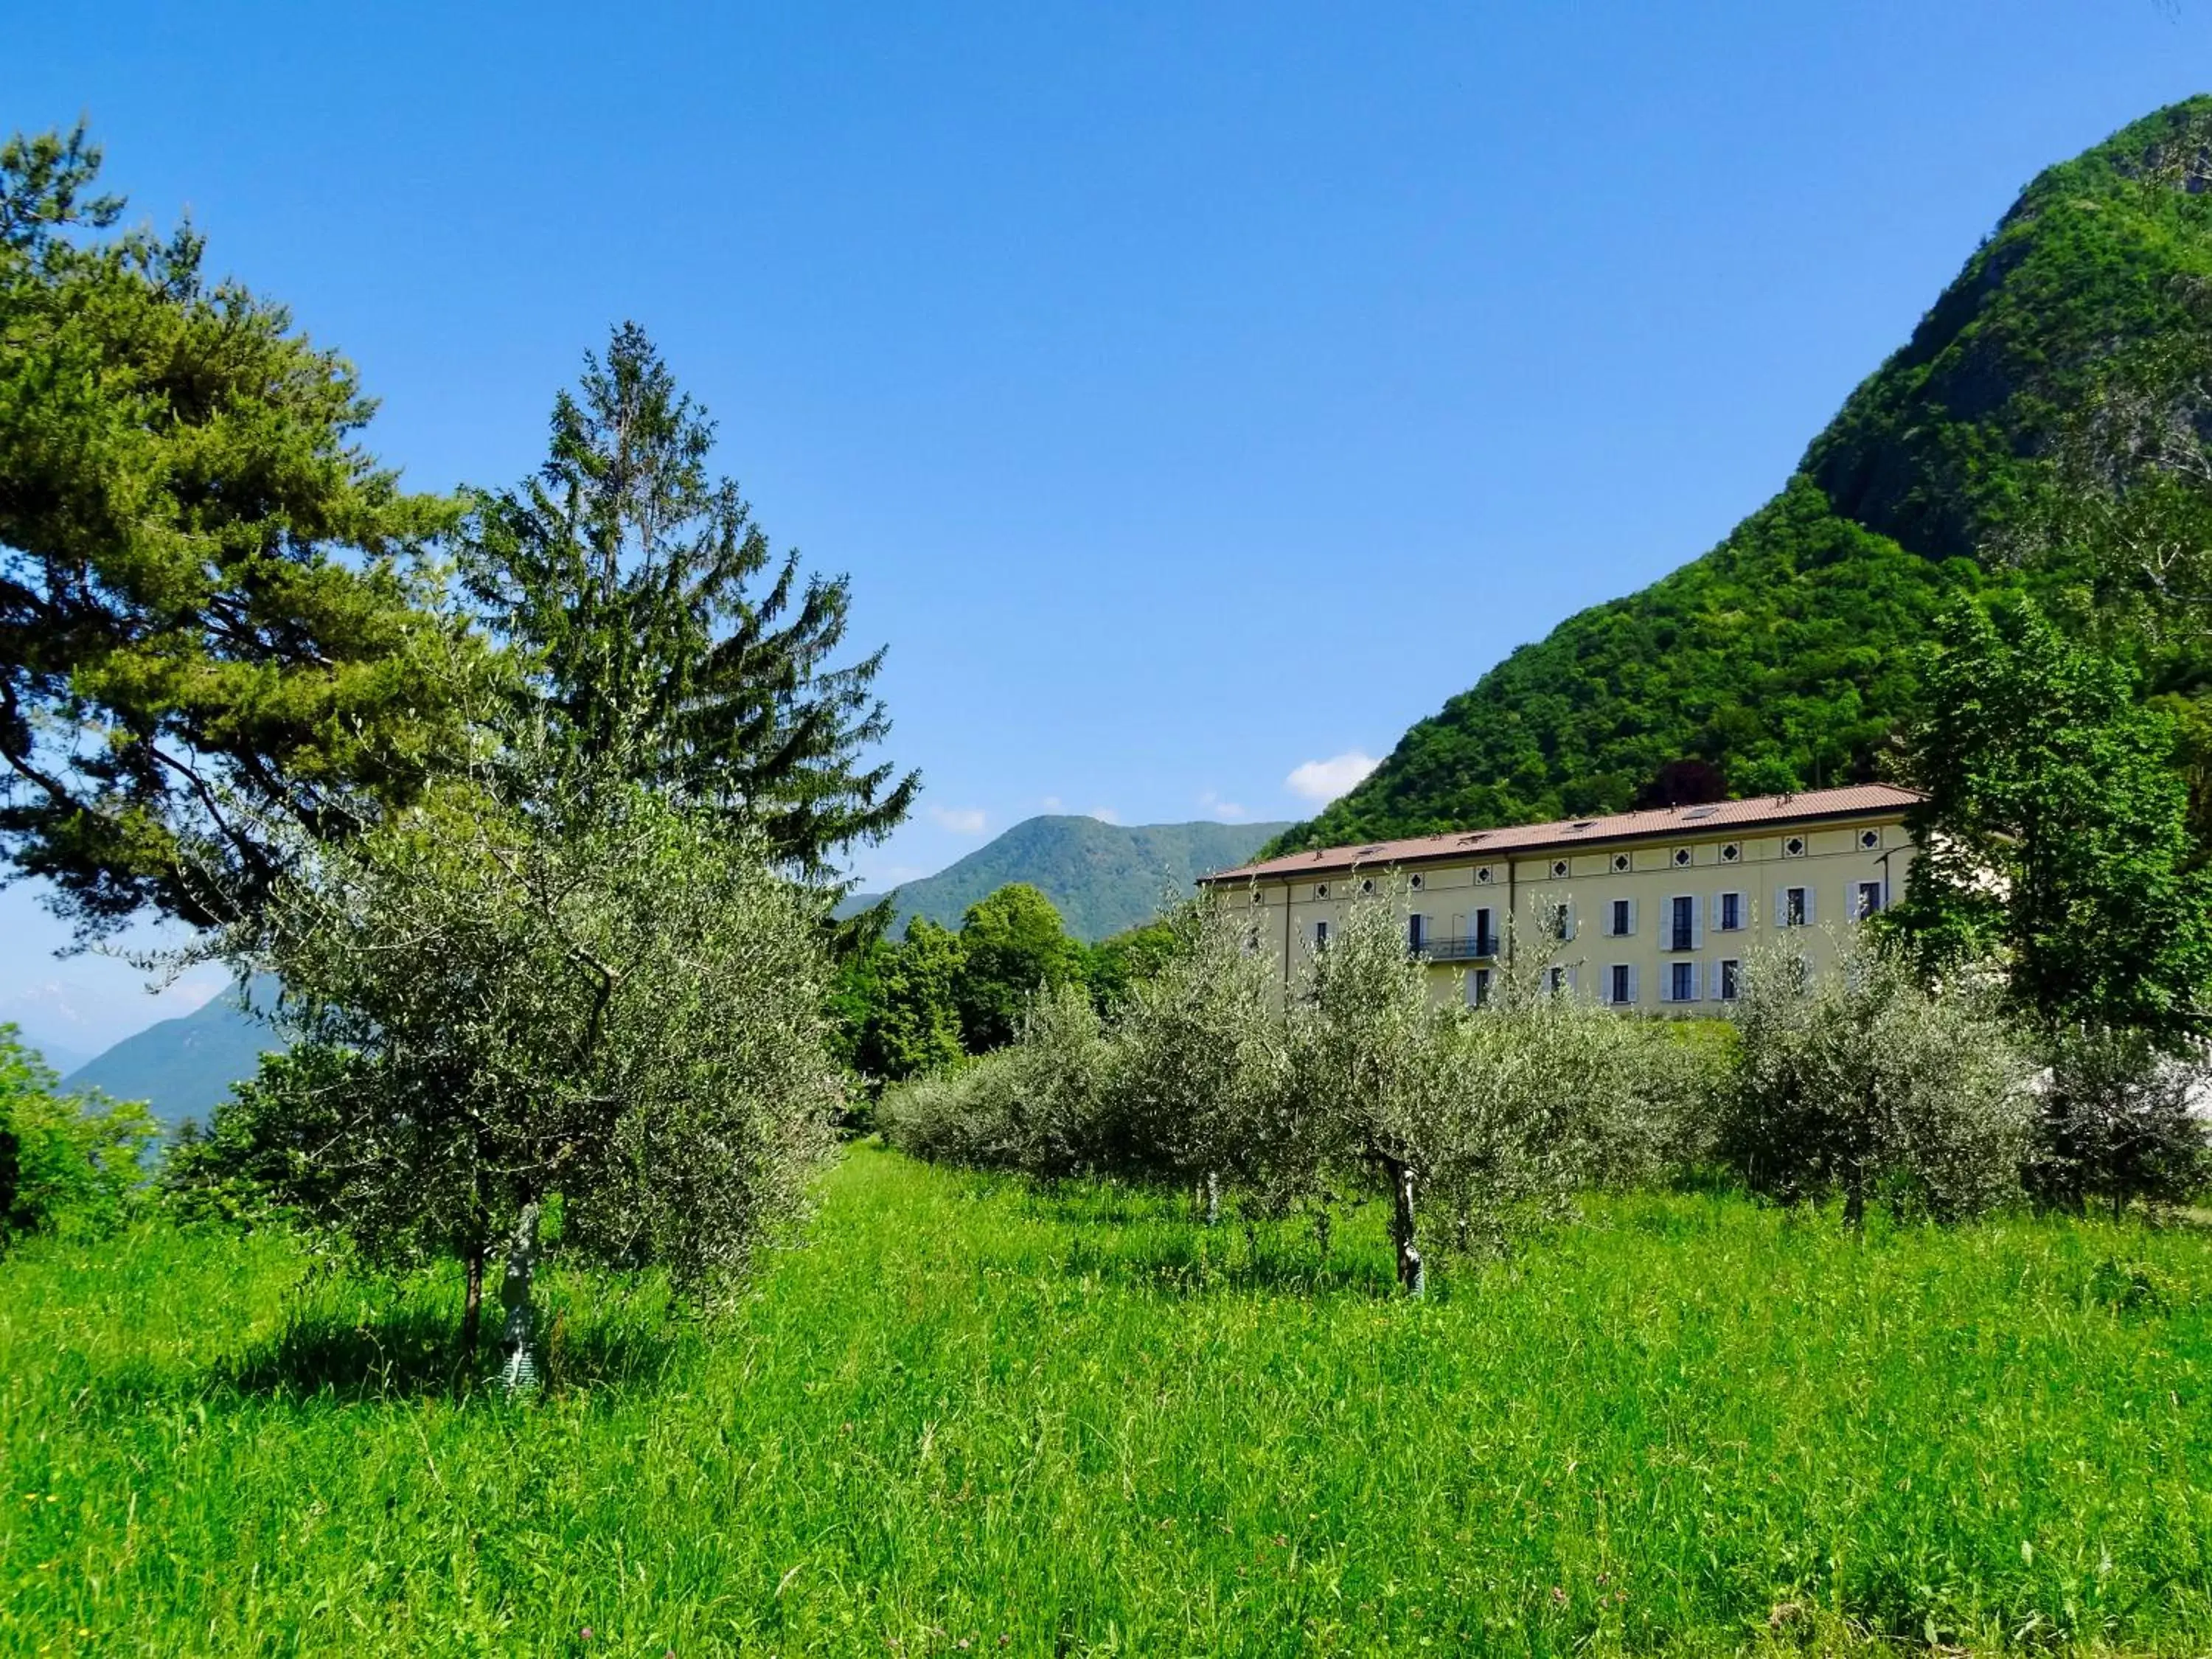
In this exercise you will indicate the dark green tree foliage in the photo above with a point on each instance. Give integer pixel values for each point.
(2067, 364)
(209, 596)
(2055, 836)
(1011, 946)
(895, 1007)
(663, 630)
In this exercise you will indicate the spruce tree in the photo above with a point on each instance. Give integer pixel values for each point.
(664, 634)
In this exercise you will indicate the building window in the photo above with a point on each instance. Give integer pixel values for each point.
(1621, 923)
(1731, 853)
(1793, 847)
(1866, 900)
(1869, 839)
(1486, 942)
(1483, 874)
(1681, 856)
(1681, 981)
(1414, 882)
(1555, 980)
(1258, 897)
(1477, 987)
(1621, 864)
(1796, 906)
(1416, 931)
(1731, 978)
(1682, 923)
(1563, 922)
(1321, 890)
(1619, 991)
(1321, 936)
(1558, 869)
(1731, 913)
(1367, 885)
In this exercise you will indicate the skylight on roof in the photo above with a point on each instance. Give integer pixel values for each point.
(1586, 823)
(1701, 812)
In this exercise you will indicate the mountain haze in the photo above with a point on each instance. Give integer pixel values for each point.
(184, 1067)
(1786, 655)
(1105, 878)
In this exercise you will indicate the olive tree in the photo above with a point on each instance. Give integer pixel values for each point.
(604, 1000)
(1863, 1083)
(2115, 1123)
(1199, 1088)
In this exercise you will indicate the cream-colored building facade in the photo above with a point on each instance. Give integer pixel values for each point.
(1652, 910)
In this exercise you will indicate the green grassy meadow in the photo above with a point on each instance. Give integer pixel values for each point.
(970, 1418)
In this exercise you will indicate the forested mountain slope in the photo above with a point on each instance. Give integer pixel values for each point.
(1102, 878)
(2072, 358)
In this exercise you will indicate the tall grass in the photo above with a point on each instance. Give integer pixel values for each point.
(1079, 1423)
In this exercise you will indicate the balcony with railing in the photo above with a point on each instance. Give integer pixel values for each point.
(1473, 947)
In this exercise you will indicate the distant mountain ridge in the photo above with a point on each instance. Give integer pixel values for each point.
(1103, 878)
(183, 1067)
(1786, 657)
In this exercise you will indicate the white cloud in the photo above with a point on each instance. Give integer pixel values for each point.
(1227, 810)
(1053, 804)
(961, 820)
(1105, 814)
(1323, 780)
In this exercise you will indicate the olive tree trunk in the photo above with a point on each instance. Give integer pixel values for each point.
(1411, 1275)
(518, 1370)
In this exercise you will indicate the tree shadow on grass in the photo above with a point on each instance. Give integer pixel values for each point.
(1190, 1261)
(409, 1349)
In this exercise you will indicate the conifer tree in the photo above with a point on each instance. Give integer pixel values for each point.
(666, 636)
(212, 608)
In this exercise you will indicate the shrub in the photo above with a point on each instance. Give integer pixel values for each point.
(67, 1162)
(1863, 1084)
(1198, 1088)
(2115, 1124)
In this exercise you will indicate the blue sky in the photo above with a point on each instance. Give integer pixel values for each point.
(1195, 395)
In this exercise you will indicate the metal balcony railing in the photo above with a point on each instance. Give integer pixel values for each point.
(1474, 947)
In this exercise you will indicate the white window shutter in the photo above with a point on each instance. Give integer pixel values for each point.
(1631, 920)
(1697, 925)
(1808, 906)
(1781, 907)
(1570, 932)
(1459, 928)
(1631, 981)
(1718, 916)
(1666, 983)
(1694, 977)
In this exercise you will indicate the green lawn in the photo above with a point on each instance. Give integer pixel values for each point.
(969, 1416)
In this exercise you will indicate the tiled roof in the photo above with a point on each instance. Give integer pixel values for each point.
(1857, 800)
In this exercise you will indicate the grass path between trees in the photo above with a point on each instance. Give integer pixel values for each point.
(970, 1418)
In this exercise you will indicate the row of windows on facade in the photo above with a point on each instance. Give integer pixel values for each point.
(1682, 925)
(1793, 847)
(1620, 983)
